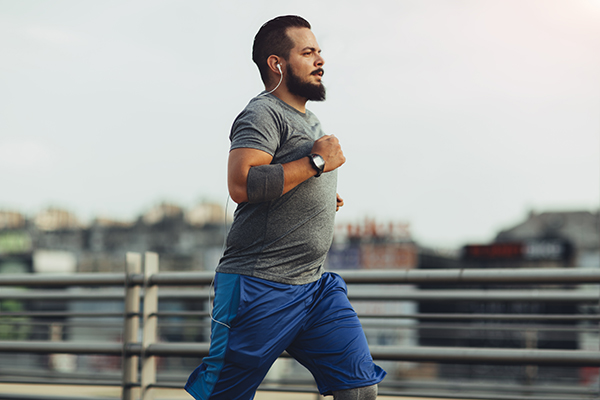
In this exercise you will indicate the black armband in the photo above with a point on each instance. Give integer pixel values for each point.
(265, 183)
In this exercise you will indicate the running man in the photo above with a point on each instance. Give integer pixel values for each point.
(271, 291)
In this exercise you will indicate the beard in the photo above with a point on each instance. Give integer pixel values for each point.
(298, 87)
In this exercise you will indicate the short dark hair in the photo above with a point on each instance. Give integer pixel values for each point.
(272, 39)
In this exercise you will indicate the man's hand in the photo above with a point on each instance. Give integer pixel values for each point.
(329, 148)
(340, 202)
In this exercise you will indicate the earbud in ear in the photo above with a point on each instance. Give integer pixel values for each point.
(279, 68)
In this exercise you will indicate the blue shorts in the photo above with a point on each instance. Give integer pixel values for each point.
(315, 323)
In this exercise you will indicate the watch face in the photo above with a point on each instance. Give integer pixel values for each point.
(319, 161)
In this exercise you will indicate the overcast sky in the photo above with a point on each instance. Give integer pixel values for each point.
(456, 116)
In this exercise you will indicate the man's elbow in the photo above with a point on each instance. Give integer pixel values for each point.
(238, 194)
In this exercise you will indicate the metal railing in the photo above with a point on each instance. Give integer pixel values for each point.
(140, 296)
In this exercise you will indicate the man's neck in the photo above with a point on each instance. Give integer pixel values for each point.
(299, 103)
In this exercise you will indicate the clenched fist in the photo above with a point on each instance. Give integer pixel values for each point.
(329, 148)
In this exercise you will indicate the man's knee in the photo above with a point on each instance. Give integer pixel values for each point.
(362, 393)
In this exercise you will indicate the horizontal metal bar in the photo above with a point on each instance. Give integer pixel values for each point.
(74, 314)
(105, 279)
(58, 381)
(442, 328)
(12, 396)
(428, 394)
(182, 278)
(64, 295)
(535, 295)
(178, 349)
(451, 386)
(456, 355)
(90, 324)
(413, 276)
(430, 316)
(167, 314)
(43, 347)
(466, 275)
(490, 317)
(406, 294)
(382, 324)
(495, 386)
(440, 354)
(431, 395)
(393, 294)
(422, 316)
(421, 276)
(94, 294)
(45, 374)
(64, 314)
(63, 280)
(382, 294)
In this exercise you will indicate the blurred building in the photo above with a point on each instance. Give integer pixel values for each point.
(205, 214)
(11, 220)
(53, 218)
(372, 245)
(581, 229)
(16, 244)
(185, 239)
(161, 212)
(544, 240)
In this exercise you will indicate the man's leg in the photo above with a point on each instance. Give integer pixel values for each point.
(237, 361)
(260, 320)
(332, 344)
(363, 393)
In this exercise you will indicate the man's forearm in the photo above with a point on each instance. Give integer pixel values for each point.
(296, 172)
(271, 181)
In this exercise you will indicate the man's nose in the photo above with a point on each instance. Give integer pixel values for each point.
(320, 61)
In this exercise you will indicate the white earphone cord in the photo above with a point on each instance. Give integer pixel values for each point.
(210, 289)
(280, 80)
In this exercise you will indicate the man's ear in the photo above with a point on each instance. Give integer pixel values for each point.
(274, 63)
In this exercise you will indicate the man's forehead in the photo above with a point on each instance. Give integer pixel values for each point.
(302, 38)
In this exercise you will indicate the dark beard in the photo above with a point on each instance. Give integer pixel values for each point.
(304, 89)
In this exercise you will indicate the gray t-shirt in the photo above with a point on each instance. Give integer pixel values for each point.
(284, 240)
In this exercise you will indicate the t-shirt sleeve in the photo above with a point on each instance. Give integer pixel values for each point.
(256, 127)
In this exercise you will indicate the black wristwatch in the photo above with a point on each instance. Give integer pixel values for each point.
(318, 163)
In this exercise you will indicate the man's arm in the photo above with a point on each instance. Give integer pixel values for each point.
(294, 173)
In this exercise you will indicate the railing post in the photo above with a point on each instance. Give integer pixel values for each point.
(131, 325)
(149, 325)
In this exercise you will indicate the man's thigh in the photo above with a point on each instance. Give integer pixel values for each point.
(262, 319)
(332, 345)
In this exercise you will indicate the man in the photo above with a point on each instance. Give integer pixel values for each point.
(271, 292)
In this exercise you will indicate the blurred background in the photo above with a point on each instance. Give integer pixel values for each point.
(471, 130)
